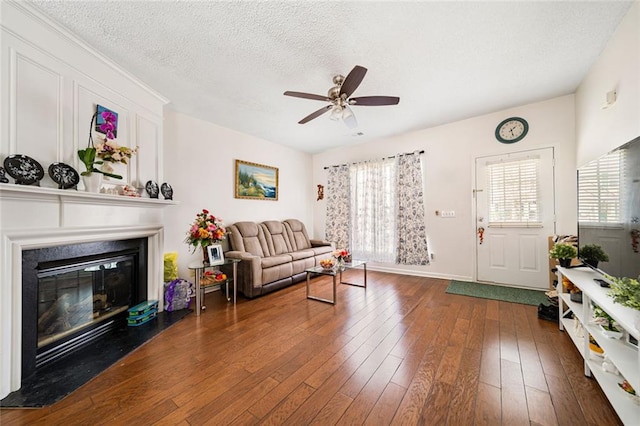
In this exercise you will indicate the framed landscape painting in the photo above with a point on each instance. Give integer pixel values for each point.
(256, 181)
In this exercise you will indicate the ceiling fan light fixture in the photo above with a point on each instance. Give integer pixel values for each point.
(336, 113)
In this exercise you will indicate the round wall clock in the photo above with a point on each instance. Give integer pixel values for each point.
(512, 130)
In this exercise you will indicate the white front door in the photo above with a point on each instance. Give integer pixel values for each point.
(515, 211)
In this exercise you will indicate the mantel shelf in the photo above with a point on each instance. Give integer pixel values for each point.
(35, 193)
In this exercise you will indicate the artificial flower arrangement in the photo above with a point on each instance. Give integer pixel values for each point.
(111, 152)
(205, 230)
(341, 254)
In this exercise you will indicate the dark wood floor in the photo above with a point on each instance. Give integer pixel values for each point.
(401, 352)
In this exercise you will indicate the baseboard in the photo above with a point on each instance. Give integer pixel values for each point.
(417, 273)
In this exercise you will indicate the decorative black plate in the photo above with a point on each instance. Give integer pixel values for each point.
(64, 175)
(167, 191)
(3, 178)
(152, 189)
(25, 170)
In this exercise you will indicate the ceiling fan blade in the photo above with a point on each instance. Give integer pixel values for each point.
(316, 114)
(349, 118)
(353, 80)
(307, 96)
(375, 100)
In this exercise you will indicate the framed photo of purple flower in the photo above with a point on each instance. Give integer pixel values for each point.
(107, 122)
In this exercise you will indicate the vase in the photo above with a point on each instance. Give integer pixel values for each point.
(205, 256)
(565, 263)
(92, 182)
(339, 263)
(107, 168)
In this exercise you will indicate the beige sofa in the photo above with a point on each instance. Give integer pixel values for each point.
(273, 254)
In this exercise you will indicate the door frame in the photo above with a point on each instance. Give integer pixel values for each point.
(474, 207)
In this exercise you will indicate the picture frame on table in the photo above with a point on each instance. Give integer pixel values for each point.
(216, 256)
(256, 181)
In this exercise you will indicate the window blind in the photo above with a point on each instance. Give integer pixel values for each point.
(600, 187)
(514, 193)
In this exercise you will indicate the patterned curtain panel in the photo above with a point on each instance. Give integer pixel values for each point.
(410, 222)
(337, 228)
(373, 210)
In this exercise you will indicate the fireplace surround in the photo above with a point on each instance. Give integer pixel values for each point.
(33, 218)
(75, 293)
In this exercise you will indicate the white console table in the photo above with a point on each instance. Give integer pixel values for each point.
(623, 355)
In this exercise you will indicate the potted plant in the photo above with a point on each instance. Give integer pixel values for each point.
(92, 176)
(564, 252)
(592, 254)
(626, 291)
(606, 323)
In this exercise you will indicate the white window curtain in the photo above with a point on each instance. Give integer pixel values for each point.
(412, 246)
(338, 223)
(373, 210)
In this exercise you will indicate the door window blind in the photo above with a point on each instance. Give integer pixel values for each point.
(599, 191)
(514, 193)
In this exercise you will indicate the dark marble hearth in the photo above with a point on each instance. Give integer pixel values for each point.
(53, 382)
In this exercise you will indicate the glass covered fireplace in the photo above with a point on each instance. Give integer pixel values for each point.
(75, 294)
(73, 298)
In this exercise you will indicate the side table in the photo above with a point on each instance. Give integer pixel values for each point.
(199, 269)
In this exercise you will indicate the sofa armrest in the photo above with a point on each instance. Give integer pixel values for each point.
(321, 243)
(249, 271)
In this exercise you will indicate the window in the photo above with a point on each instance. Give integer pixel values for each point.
(373, 210)
(513, 193)
(600, 188)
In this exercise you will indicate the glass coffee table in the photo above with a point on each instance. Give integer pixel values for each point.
(335, 272)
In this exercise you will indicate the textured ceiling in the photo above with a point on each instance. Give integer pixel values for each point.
(229, 62)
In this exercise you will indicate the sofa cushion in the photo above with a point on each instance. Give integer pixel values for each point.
(297, 234)
(271, 261)
(276, 237)
(248, 237)
(302, 254)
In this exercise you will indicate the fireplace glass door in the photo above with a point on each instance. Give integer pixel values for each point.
(74, 298)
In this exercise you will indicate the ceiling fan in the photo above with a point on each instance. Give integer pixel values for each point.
(339, 98)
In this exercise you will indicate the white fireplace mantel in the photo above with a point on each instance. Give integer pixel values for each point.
(12, 191)
(34, 217)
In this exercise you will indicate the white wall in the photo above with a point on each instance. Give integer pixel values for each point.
(50, 83)
(598, 130)
(450, 151)
(200, 166)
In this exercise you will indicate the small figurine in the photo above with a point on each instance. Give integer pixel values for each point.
(320, 192)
